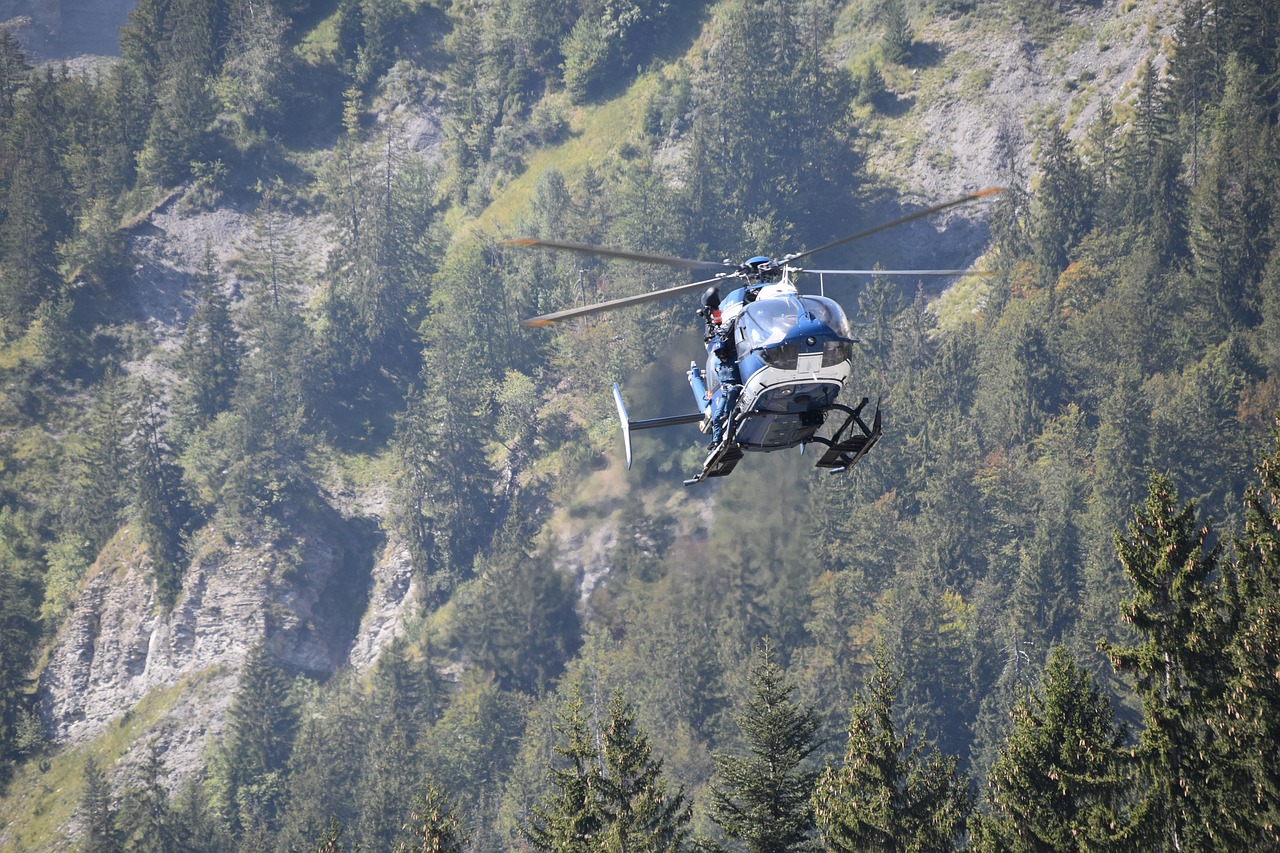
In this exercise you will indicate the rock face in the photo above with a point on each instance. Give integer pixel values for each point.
(304, 595)
(61, 29)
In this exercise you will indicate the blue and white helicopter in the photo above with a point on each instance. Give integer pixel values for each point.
(777, 360)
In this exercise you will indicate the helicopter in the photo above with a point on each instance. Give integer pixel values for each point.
(777, 360)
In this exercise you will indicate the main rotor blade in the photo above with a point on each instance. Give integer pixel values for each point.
(604, 252)
(904, 272)
(556, 316)
(902, 220)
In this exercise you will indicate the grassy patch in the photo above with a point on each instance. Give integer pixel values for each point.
(596, 134)
(45, 793)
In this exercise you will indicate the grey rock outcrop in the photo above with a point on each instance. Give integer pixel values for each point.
(303, 595)
(61, 29)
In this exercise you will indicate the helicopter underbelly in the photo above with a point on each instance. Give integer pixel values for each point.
(784, 408)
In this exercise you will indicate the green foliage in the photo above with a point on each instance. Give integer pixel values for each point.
(433, 826)
(886, 795)
(247, 772)
(1246, 722)
(159, 506)
(1061, 780)
(898, 36)
(208, 361)
(612, 795)
(97, 813)
(517, 619)
(1176, 664)
(763, 799)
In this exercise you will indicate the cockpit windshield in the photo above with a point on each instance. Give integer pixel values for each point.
(768, 321)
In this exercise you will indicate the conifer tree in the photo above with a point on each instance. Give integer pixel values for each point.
(209, 358)
(97, 813)
(145, 820)
(402, 703)
(898, 37)
(886, 796)
(612, 796)
(159, 506)
(433, 825)
(1060, 781)
(568, 819)
(639, 814)
(765, 799)
(1249, 721)
(246, 780)
(1176, 665)
(101, 469)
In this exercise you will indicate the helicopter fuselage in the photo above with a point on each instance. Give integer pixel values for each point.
(793, 360)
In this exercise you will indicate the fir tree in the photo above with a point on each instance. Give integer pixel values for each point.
(764, 799)
(1248, 722)
(246, 780)
(1061, 781)
(898, 37)
(1176, 665)
(568, 820)
(433, 825)
(611, 797)
(145, 820)
(159, 506)
(885, 795)
(209, 358)
(97, 812)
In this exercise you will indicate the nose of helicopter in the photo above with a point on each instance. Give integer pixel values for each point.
(809, 334)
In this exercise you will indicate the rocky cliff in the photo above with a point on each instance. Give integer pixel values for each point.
(62, 29)
(316, 597)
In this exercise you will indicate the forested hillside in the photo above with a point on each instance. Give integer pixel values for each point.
(306, 543)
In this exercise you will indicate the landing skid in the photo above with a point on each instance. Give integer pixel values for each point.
(847, 446)
(720, 462)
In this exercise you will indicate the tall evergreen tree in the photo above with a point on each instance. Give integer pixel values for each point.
(1176, 665)
(97, 812)
(145, 820)
(764, 799)
(433, 825)
(246, 779)
(886, 796)
(209, 358)
(159, 506)
(611, 796)
(1060, 781)
(568, 819)
(1249, 721)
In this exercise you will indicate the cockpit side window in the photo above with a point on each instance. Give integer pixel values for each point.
(829, 313)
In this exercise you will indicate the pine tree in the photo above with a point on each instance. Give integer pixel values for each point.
(1060, 781)
(612, 796)
(402, 703)
(433, 825)
(100, 480)
(765, 798)
(246, 780)
(898, 37)
(1249, 721)
(159, 506)
(145, 820)
(1176, 665)
(209, 358)
(97, 813)
(886, 796)
(568, 820)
